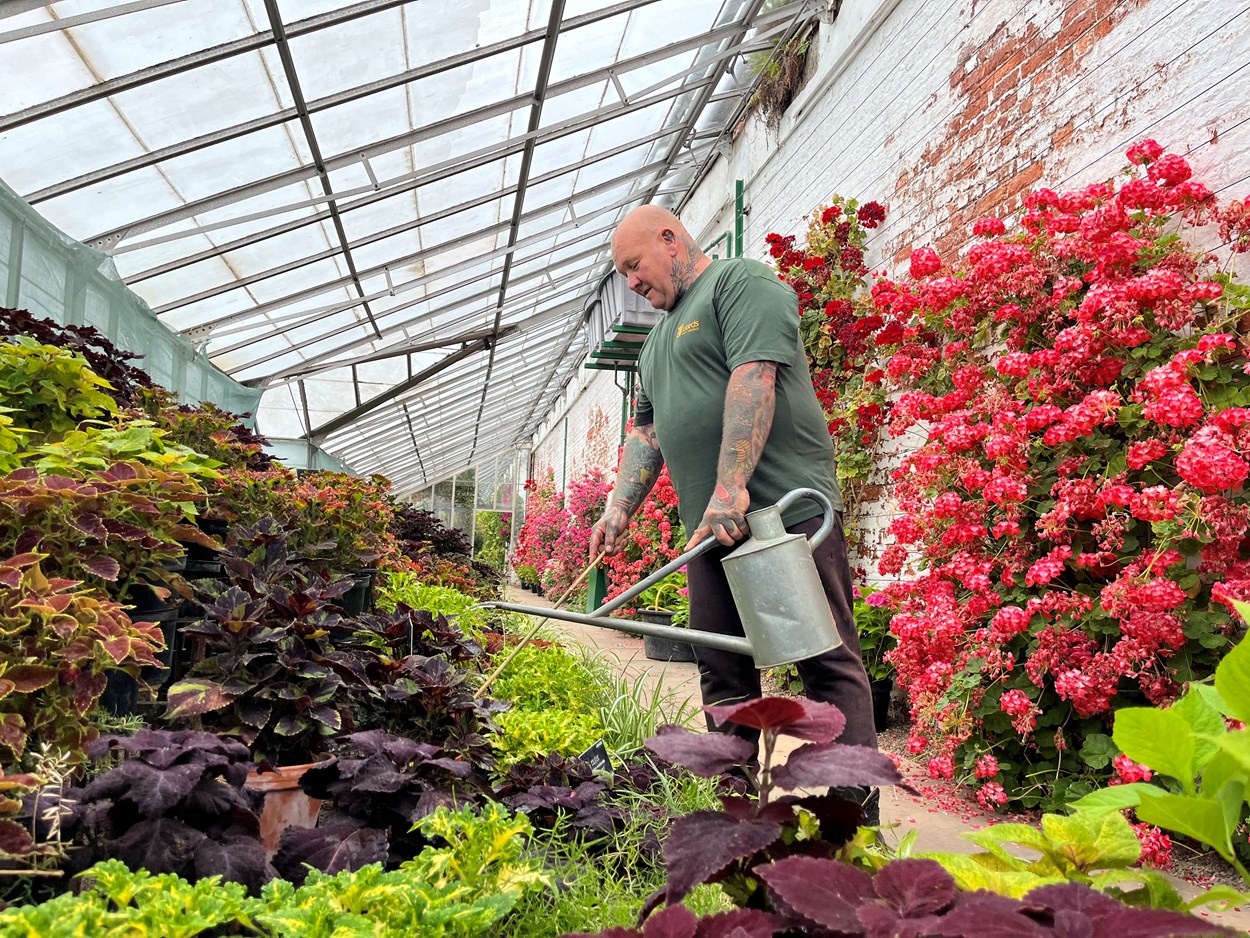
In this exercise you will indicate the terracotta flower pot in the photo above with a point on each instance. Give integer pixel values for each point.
(285, 804)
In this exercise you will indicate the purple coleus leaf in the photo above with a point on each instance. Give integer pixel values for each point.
(194, 696)
(703, 844)
(807, 719)
(331, 849)
(705, 754)
(981, 913)
(817, 764)
(915, 887)
(676, 921)
(106, 568)
(1079, 910)
(740, 923)
(238, 860)
(824, 892)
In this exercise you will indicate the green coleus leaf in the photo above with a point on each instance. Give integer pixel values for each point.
(1093, 841)
(194, 696)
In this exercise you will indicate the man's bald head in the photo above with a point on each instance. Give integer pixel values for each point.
(653, 249)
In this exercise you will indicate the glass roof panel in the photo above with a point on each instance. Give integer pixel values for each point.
(237, 237)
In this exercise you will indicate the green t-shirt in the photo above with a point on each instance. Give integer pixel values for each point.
(737, 311)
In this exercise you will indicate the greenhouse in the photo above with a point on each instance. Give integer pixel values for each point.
(658, 468)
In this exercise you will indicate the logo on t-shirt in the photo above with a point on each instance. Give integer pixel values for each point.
(685, 327)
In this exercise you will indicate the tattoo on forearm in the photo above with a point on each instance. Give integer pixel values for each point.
(749, 403)
(684, 269)
(640, 467)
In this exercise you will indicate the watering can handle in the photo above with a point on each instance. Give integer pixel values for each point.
(794, 495)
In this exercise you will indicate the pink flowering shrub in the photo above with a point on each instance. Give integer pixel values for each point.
(1075, 517)
(655, 537)
(545, 517)
(584, 501)
(828, 273)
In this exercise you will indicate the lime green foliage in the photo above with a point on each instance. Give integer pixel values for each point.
(50, 390)
(526, 735)
(95, 448)
(395, 587)
(548, 678)
(489, 543)
(603, 883)
(117, 901)
(1207, 766)
(457, 891)
(460, 890)
(10, 441)
(1096, 849)
(670, 595)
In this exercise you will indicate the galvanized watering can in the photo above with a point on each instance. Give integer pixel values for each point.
(785, 613)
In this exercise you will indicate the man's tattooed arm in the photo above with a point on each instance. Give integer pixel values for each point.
(749, 403)
(641, 462)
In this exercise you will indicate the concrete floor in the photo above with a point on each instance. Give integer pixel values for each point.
(939, 813)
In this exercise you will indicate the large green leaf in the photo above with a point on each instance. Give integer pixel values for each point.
(1113, 797)
(195, 696)
(1159, 739)
(970, 874)
(1205, 720)
(1093, 841)
(1200, 818)
(1222, 768)
(1232, 676)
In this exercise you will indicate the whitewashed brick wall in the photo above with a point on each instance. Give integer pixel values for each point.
(948, 111)
(592, 409)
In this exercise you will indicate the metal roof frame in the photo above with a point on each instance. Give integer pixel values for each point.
(288, 269)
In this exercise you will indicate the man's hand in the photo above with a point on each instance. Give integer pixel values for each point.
(608, 534)
(724, 519)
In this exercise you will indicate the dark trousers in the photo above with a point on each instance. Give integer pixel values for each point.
(835, 677)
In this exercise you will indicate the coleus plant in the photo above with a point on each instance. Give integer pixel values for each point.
(724, 846)
(273, 671)
(176, 803)
(781, 855)
(58, 642)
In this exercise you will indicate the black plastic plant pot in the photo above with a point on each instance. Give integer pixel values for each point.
(663, 649)
(881, 690)
(205, 562)
(359, 599)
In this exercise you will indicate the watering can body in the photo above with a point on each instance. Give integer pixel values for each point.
(775, 585)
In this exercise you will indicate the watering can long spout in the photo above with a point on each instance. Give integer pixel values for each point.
(775, 585)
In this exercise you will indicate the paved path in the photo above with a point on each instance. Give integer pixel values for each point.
(938, 813)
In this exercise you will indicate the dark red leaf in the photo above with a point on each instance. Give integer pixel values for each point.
(987, 916)
(332, 849)
(28, 678)
(106, 568)
(825, 892)
(740, 923)
(702, 844)
(817, 765)
(795, 716)
(675, 921)
(239, 860)
(915, 887)
(15, 840)
(10, 577)
(1079, 909)
(705, 754)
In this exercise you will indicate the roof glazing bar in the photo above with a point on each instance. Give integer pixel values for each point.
(81, 19)
(310, 136)
(320, 104)
(106, 240)
(186, 63)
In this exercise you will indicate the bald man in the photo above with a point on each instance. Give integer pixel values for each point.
(726, 400)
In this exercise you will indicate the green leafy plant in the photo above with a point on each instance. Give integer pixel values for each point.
(669, 595)
(1207, 766)
(57, 644)
(1098, 849)
(528, 575)
(462, 889)
(95, 448)
(50, 390)
(118, 901)
(404, 587)
(872, 622)
(527, 735)
(548, 678)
